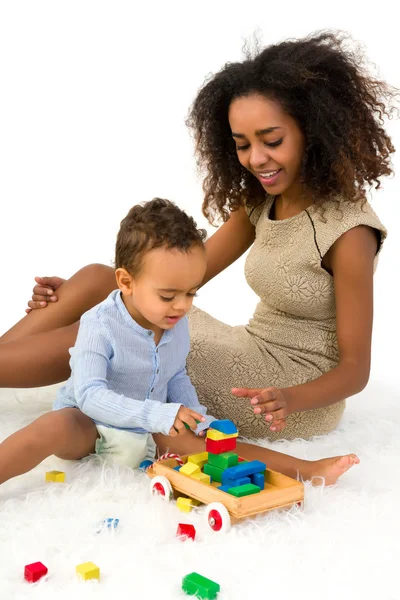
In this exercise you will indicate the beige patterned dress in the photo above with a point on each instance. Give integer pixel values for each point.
(291, 338)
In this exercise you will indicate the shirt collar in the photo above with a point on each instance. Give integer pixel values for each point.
(129, 320)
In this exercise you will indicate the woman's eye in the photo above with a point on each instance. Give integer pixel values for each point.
(274, 144)
(242, 147)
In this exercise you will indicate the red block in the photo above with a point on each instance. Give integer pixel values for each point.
(35, 571)
(186, 530)
(220, 446)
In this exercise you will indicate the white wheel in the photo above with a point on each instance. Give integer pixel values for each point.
(160, 486)
(217, 517)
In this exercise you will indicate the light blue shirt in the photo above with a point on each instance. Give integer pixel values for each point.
(120, 378)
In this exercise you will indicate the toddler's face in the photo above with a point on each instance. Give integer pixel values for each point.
(163, 291)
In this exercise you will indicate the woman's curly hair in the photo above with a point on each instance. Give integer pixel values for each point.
(338, 106)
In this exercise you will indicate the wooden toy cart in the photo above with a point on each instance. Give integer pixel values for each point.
(223, 508)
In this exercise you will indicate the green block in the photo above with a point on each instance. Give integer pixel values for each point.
(244, 490)
(187, 426)
(224, 460)
(197, 585)
(214, 472)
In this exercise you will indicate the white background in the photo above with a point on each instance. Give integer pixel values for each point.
(92, 107)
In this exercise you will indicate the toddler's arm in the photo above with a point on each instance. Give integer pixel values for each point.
(91, 360)
(181, 390)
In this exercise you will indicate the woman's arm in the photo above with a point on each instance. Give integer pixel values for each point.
(227, 244)
(351, 261)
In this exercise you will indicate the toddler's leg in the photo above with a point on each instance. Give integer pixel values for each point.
(67, 433)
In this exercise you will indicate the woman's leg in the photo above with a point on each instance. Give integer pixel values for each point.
(35, 352)
(85, 289)
(37, 360)
(67, 433)
(327, 470)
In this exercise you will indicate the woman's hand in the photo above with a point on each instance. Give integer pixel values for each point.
(43, 292)
(270, 402)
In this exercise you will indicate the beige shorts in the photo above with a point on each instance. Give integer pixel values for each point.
(124, 447)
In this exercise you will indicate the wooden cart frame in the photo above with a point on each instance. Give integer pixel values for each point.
(223, 508)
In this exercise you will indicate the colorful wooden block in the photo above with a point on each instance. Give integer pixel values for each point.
(214, 472)
(197, 585)
(203, 477)
(177, 468)
(58, 476)
(244, 490)
(224, 426)
(236, 482)
(258, 479)
(199, 459)
(186, 504)
(34, 572)
(88, 570)
(111, 523)
(189, 469)
(224, 460)
(244, 470)
(145, 464)
(218, 447)
(185, 530)
(213, 434)
(224, 488)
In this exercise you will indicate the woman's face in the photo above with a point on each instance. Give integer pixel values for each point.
(269, 142)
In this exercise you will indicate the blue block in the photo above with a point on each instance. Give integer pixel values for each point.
(145, 464)
(258, 479)
(111, 523)
(177, 468)
(243, 470)
(236, 482)
(224, 488)
(224, 426)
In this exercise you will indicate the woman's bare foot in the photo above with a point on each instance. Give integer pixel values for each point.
(328, 470)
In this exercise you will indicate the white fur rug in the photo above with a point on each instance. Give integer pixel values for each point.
(345, 544)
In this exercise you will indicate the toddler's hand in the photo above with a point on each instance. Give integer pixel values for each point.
(185, 416)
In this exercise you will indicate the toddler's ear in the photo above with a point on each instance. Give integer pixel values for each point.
(124, 281)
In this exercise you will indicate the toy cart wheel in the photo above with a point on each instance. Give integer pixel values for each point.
(217, 517)
(160, 486)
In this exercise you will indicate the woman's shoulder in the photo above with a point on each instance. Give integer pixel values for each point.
(333, 218)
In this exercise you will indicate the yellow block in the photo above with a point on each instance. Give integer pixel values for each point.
(203, 477)
(186, 504)
(58, 476)
(213, 434)
(88, 571)
(199, 459)
(189, 469)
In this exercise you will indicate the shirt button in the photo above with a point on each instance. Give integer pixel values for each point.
(152, 390)
(149, 333)
(158, 370)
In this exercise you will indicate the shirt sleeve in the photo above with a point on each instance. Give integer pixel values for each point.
(92, 356)
(181, 389)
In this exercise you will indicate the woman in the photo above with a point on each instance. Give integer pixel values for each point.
(290, 141)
